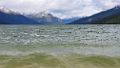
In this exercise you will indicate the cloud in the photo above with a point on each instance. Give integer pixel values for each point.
(61, 8)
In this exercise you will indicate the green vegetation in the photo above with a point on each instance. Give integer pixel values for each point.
(115, 19)
(30, 61)
(40, 60)
(96, 62)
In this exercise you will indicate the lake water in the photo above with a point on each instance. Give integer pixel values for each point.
(60, 40)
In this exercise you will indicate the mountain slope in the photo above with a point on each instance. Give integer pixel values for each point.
(111, 16)
(113, 19)
(10, 17)
(45, 18)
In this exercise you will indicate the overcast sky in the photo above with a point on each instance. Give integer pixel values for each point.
(61, 8)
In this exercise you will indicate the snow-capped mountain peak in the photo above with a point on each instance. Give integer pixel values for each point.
(9, 11)
(5, 10)
(42, 14)
(45, 18)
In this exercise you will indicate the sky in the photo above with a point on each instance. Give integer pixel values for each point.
(60, 8)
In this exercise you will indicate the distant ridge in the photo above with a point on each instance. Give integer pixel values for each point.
(69, 20)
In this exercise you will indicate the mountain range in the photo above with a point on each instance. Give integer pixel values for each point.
(8, 16)
(111, 16)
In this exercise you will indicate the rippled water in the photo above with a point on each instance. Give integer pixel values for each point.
(63, 39)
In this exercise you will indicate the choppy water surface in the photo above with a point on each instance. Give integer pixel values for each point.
(64, 39)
